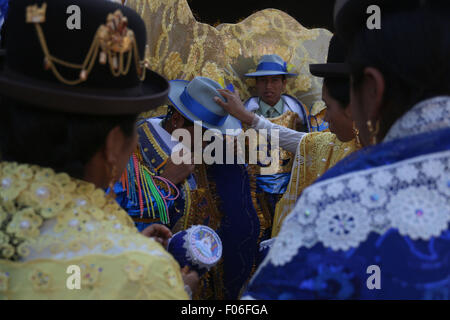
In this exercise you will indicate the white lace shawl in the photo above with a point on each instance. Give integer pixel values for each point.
(412, 196)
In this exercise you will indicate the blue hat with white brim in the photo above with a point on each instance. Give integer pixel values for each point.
(195, 101)
(271, 65)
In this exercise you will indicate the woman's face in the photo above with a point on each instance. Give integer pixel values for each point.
(338, 117)
(111, 159)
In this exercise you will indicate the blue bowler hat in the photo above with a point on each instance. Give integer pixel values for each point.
(271, 65)
(195, 101)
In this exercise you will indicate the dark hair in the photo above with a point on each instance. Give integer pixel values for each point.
(61, 141)
(170, 111)
(412, 51)
(339, 89)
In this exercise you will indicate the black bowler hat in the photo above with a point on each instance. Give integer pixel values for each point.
(350, 16)
(335, 66)
(97, 69)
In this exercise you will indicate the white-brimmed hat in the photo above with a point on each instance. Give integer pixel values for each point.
(195, 101)
(271, 65)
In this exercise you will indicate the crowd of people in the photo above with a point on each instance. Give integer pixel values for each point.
(86, 181)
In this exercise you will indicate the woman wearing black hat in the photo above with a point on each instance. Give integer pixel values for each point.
(69, 101)
(376, 226)
(321, 149)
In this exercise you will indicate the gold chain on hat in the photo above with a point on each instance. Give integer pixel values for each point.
(114, 41)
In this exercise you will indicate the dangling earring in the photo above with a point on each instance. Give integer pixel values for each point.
(112, 181)
(356, 133)
(373, 132)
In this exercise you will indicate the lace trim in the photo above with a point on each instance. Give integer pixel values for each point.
(412, 196)
(428, 115)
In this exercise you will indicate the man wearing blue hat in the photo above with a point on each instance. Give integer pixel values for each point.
(271, 78)
(216, 195)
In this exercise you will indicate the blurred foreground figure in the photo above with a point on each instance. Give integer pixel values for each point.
(66, 133)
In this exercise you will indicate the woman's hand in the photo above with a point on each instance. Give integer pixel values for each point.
(190, 278)
(234, 106)
(160, 233)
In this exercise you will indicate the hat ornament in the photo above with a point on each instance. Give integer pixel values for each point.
(113, 44)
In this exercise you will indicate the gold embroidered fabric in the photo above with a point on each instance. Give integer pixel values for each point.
(263, 209)
(289, 120)
(179, 47)
(316, 153)
(49, 221)
(131, 275)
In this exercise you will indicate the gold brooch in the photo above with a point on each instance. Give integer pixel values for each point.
(36, 14)
(114, 44)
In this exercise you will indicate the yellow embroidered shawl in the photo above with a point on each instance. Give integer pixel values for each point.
(50, 221)
(316, 153)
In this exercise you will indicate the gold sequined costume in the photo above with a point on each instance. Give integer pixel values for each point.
(317, 152)
(51, 225)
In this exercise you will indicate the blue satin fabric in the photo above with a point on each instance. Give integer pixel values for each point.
(321, 127)
(239, 228)
(200, 111)
(3, 12)
(271, 66)
(3, 9)
(410, 269)
(275, 183)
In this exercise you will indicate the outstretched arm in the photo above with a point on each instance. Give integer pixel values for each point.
(234, 106)
(289, 139)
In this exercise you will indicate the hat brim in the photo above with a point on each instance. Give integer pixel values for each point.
(150, 94)
(334, 70)
(269, 73)
(176, 89)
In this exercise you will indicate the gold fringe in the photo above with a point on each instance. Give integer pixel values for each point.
(258, 202)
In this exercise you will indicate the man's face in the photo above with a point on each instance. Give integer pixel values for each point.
(195, 139)
(270, 88)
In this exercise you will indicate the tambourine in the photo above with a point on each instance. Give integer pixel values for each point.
(198, 247)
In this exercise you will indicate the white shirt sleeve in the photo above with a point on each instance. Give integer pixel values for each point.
(289, 139)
